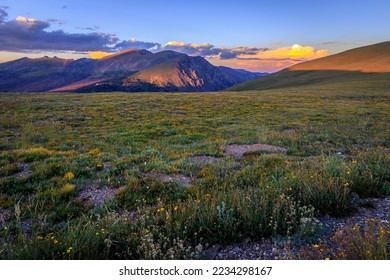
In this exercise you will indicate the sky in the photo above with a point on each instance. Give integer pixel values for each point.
(257, 35)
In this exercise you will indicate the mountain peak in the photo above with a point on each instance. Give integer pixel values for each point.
(128, 51)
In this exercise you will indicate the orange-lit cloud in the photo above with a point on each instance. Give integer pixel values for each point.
(295, 52)
(270, 60)
(24, 19)
(98, 54)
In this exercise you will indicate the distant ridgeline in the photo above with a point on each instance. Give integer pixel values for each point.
(132, 70)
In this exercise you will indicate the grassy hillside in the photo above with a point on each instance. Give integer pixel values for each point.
(59, 150)
(369, 63)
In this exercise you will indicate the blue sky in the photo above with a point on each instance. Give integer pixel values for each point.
(270, 28)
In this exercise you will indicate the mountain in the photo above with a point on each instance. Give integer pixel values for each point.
(368, 63)
(130, 70)
(186, 73)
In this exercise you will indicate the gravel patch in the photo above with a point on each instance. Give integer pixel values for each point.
(267, 249)
(25, 170)
(95, 196)
(238, 151)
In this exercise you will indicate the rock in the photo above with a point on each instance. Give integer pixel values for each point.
(355, 199)
(211, 252)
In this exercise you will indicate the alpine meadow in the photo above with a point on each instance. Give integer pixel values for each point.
(134, 150)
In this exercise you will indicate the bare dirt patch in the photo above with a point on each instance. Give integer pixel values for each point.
(96, 196)
(172, 178)
(24, 170)
(238, 151)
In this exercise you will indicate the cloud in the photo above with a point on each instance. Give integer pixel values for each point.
(204, 49)
(295, 52)
(98, 54)
(3, 13)
(24, 34)
(270, 60)
(30, 35)
(328, 43)
(56, 21)
(209, 50)
(133, 43)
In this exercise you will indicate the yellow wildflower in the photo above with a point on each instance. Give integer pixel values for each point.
(69, 175)
(315, 246)
(327, 259)
(69, 250)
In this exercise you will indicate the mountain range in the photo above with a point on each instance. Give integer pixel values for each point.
(368, 63)
(132, 70)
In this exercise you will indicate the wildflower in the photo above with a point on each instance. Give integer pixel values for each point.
(69, 175)
(5, 228)
(354, 162)
(327, 259)
(315, 246)
(94, 152)
(97, 233)
(69, 250)
(176, 207)
(39, 237)
(346, 184)
(356, 226)
(55, 241)
(290, 189)
(208, 195)
(349, 171)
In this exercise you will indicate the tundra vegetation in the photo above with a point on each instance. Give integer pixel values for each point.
(60, 152)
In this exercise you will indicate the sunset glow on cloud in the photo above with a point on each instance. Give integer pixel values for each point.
(296, 51)
(98, 54)
(271, 60)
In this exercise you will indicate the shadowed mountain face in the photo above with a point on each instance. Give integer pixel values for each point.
(131, 70)
(369, 63)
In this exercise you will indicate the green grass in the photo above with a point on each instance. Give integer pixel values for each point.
(337, 137)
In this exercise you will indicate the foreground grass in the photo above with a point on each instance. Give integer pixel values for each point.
(338, 140)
